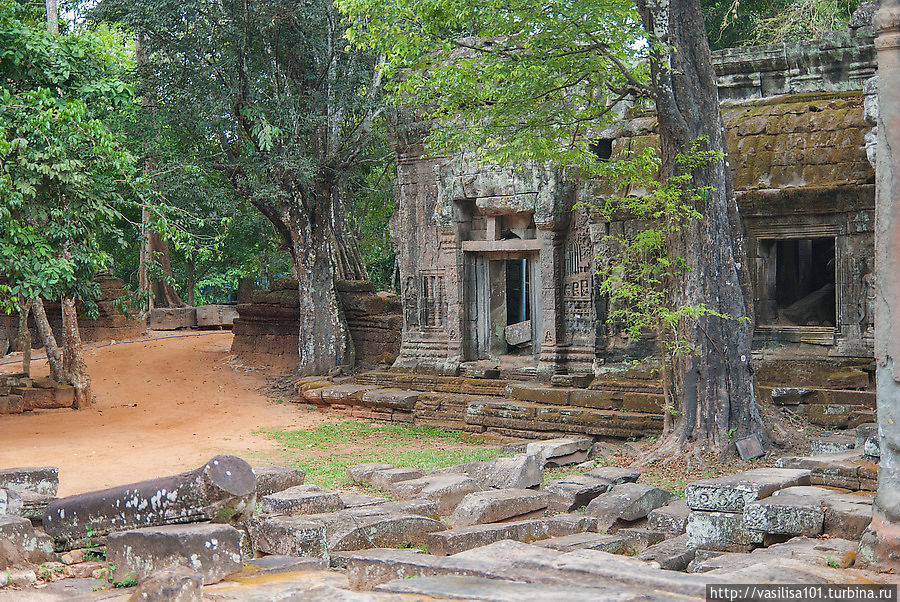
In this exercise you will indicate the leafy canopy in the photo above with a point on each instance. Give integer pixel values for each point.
(516, 79)
(64, 176)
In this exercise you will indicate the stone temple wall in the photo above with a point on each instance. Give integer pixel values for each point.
(796, 134)
(267, 328)
(110, 324)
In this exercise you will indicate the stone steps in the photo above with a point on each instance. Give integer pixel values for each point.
(428, 382)
(531, 410)
(510, 416)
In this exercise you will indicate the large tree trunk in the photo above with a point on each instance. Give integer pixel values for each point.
(325, 341)
(23, 339)
(52, 16)
(74, 366)
(54, 359)
(713, 384)
(163, 293)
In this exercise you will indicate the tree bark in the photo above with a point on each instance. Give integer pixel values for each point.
(54, 359)
(714, 383)
(324, 342)
(52, 16)
(23, 339)
(164, 294)
(74, 366)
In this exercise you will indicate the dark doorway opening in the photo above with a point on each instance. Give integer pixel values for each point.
(518, 303)
(804, 281)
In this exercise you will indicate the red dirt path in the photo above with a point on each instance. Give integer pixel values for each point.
(161, 407)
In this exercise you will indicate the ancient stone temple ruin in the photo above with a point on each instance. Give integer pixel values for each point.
(498, 265)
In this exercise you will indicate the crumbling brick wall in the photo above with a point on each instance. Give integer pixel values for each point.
(267, 328)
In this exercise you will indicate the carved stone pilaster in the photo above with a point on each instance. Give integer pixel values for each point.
(880, 547)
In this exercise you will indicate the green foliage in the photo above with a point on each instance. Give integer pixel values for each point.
(513, 80)
(64, 176)
(254, 105)
(637, 275)
(732, 23)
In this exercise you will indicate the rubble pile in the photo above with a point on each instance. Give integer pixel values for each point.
(492, 530)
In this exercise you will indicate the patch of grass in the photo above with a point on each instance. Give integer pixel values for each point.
(326, 450)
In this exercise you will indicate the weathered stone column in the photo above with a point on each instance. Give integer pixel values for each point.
(222, 490)
(880, 547)
(551, 267)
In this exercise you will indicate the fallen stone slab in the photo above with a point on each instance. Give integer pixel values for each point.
(721, 531)
(302, 499)
(670, 519)
(593, 568)
(209, 549)
(498, 505)
(347, 394)
(10, 502)
(276, 563)
(339, 560)
(492, 590)
(614, 544)
(387, 531)
(396, 399)
(173, 318)
(445, 489)
(216, 316)
(33, 398)
(41, 479)
(272, 479)
(172, 584)
(498, 561)
(847, 470)
(639, 539)
(811, 510)
(382, 526)
(513, 561)
(417, 507)
(460, 539)
(361, 474)
(831, 444)
(222, 490)
(847, 515)
(614, 474)
(781, 570)
(570, 523)
(839, 553)
(21, 545)
(34, 505)
(384, 479)
(287, 535)
(672, 554)
(575, 491)
(731, 493)
(358, 500)
(791, 511)
(626, 502)
(522, 471)
(562, 451)
(367, 569)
